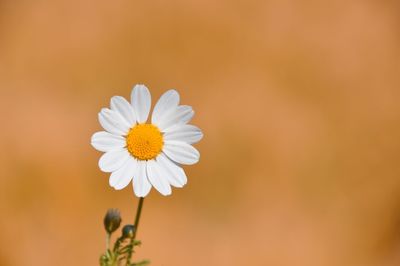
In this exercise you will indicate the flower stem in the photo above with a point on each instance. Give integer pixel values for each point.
(136, 224)
(108, 241)
(137, 219)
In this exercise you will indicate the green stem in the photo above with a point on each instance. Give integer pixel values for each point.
(137, 219)
(108, 241)
(136, 224)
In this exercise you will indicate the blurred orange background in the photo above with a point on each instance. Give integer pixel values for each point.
(298, 101)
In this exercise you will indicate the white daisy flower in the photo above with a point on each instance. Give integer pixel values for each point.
(150, 154)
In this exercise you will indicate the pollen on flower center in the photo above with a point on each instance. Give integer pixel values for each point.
(144, 141)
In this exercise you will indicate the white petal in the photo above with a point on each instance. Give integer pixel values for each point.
(186, 133)
(104, 141)
(167, 101)
(121, 177)
(181, 152)
(113, 122)
(180, 115)
(141, 102)
(141, 184)
(175, 174)
(113, 160)
(157, 178)
(121, 105)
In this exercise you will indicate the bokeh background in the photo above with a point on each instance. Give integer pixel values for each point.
(299, 102)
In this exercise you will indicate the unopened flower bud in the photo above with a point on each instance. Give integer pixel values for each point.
(128, 231)
(112, 220)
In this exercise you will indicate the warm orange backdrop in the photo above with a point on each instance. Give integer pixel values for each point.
(300, 106)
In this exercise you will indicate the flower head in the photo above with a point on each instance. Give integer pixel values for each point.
(112, 220)
(150, 154)
(128, 231)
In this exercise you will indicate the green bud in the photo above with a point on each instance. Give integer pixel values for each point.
(112, 220)
(128, 231)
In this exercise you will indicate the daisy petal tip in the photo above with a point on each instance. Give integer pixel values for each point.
(141, 102)
(92, 140)
(140, 89)
(111, 181)
(117, 188)
(173, 92)
(200, 136)
(102, 169)
(166, 194)
(140, 86)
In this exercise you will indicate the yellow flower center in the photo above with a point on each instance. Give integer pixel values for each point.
(144, 141)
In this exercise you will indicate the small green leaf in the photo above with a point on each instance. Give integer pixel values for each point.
(137, 243)
(141, 263)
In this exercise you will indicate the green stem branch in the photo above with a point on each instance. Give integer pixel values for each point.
(136, 224)
(108, 241)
